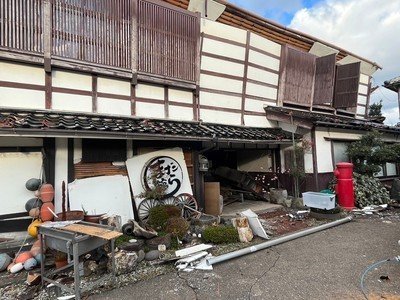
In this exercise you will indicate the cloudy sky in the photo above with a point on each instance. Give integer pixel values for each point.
(369, 28)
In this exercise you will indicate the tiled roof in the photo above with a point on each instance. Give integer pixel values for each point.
(52, 123)
(393, 84)
(331, 120)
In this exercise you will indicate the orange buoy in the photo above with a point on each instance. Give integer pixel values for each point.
(46, 192)
(45, 214)
(23, 256)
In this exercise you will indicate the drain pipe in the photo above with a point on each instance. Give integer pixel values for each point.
(255, 248)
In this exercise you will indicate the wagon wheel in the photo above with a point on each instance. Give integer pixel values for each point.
(188, 204)
(172, 200)
(144, 208)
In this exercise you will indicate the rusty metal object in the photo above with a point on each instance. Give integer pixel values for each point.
(67, 215)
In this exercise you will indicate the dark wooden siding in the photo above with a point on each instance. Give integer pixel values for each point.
(324, 79)
(167, 41)
(346, 87)
(96, 31)
(297, 82)
(21, 25)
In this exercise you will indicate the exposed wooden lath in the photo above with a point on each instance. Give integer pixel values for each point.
(86, 170)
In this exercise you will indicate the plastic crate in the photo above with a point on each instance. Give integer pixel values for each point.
(319, 200)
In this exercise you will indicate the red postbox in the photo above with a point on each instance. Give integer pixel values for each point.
(345, 186)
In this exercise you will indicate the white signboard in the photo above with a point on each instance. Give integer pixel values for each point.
(169, 166)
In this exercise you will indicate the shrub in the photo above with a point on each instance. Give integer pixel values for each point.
(159, 215)
(177, 226)
(221, 234)
(369, 191)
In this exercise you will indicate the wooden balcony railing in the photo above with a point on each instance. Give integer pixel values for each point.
(138, 36)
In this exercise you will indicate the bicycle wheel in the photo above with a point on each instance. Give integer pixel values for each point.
(144, 208)
(189, 201)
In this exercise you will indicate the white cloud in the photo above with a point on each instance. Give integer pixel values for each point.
(368, 28)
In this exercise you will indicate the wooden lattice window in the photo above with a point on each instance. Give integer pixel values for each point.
(324, 79)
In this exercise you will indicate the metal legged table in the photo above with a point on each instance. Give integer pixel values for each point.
(74, 244)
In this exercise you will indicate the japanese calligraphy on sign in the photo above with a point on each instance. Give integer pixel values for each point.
(166, 171)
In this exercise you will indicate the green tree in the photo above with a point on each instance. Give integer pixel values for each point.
(375, 110)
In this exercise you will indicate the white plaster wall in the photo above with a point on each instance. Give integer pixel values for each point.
(113, 86)
(364, 78)
(214, 116)
(264, 60)
(15, 72)
(77, 150)
(223, 49)
(220, 100)
(20, 142)
(257, 121)
(256, 105)
(324, 152)
(68, 102)
(222, 66)
(361, 99)
(180, 113)
(360, 110)
(265, 44)
(149, 91)
(61, 171)
(222, 30)
(218, 83)
(262, 75)
(180, 96)
(22, 98)
(152, 110)
(308, 158)
(261, 91)
(71, 80)
(362, 89)
(17, 168)
(113, 106)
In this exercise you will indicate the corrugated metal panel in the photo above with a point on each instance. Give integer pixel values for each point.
(96, 31)
(298, 77)
(324, 79)
(346, 86)
(167, 41)
(21, 25)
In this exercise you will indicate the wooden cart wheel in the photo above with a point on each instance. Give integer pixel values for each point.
(189, 201)
(172, 200)
(144, 208)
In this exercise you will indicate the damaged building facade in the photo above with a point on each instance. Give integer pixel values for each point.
(87, 85)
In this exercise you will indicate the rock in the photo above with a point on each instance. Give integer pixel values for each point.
(278, 195)
(152, 255)
(297, 203)
(5, 260)
(134, 246)
(125, 262)
(287, 202)
(141, 255)
(89, 267)
(160, 240)
(395, 190)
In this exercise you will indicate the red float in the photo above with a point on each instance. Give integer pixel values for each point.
(45, 214)
(345, 185)
(46, 192)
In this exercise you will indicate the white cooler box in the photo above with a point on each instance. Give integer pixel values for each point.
(319, 200)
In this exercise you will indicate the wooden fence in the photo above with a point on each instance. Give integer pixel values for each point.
(150, 37)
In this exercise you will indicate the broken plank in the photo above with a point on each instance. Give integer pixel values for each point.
(93, 231)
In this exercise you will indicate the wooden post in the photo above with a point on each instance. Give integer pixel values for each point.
(47, 35)
(246, 67)
(134, 42)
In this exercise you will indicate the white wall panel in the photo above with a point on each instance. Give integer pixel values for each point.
(222, 30)
(71, 80)
(150, 110)
(257, 121)
(363, 89)
(261, 91)
(223, 49)
(263, 60)
(261, 75)
(70, 102)
(364, 78)
(265, 44)
(61, 171)
(180, 113)
(360, 110)
(15, 72)
(113, 106)
(112, 86)
(218, 83)
(22, 98)
(180, 96)
(222, 66)
(256, 105)
(220, 100)
(324, 152)
(362, 100)
(150, 91)
(214, 116)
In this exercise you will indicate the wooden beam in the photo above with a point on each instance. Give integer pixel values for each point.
(94, 93)
(48, 89)
(47, 34)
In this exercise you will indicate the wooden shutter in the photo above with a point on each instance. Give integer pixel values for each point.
(346, 86)
(324, 79)
(297, 79)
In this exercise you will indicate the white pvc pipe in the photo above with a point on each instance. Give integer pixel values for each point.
(248, 250)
